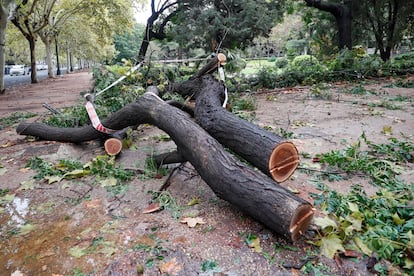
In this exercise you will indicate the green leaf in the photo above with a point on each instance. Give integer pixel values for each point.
(325, 222)
(409, 264)
(330, 245)
(353, 207)
(411, 236)
(356, 224)
(27, 228)
(77, 251)
(6, 198)
(53, 178)
(27, 185)
(362, 246)
(397, 220)
(3, 171)
(75, 174)
(108, 182)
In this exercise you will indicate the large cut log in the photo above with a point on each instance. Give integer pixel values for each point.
(269, 152)
(250, 190)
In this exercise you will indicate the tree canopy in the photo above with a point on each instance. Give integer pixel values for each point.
(213, 24)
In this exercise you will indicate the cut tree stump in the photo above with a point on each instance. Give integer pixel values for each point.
(250, 190)
(267, 151)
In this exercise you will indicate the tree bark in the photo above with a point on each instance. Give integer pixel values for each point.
(32, 44)
(267, 151)
(343, 17)
(250, 190)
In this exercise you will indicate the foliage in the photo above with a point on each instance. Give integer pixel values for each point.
(126, 43)
(14, 118)
(243, 106)
(104, 167)
(281, 62)
(212, 25)
(382, 223)
(208, 265)
(154, 247)
(381, 162)
(388, 20)
(168, 202)
(346, 65)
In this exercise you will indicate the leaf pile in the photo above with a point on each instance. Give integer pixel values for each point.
(383, 223)
(103, 167)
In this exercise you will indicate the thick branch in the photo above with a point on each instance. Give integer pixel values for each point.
(248, 189)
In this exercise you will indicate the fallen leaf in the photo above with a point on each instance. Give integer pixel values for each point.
(108, 182)
(8, 144)
(27, 185)
(293, 190)
(24, 170)
(387, 130)
(171, 267)
(325, 222)
(194, 201)
(53, 178)
(331, 245)
(255, 244)
(27, 228)
(3, 171)
(109, 249)
(361, 245)
(6, 198)
(192, 222)
(75, 174)
(94, 203)
(153, 207)
(77, 251)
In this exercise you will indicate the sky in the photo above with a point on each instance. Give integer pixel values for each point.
(142, 15)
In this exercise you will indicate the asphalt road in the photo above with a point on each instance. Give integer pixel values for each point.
(10, 81)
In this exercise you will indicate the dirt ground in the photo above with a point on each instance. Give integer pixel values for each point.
(78, 227)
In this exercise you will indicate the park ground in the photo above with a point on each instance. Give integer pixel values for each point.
(81, 227)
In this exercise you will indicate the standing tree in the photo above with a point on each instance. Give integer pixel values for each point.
(5, 8)
(210, 24)
(214, 24)
(161, 13)
(126, 43)
(387, 19)
(30, 17)
(343, 16)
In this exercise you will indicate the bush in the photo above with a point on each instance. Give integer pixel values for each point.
(281, 62)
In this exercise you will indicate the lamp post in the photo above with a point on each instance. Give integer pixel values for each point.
(57, 57)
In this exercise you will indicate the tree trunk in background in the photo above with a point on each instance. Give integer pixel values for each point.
(3, 27)
(343, 17)
(32, 43)
(47, 41)
(5, 8)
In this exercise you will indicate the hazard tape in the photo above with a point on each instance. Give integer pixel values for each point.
(96, 123)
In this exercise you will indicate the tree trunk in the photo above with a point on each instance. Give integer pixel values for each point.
(3, 27)
(263, 149)
(250, 190)
(32, 43)
(47, 41)
(343, 17)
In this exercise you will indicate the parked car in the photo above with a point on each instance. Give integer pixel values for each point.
(41, 67)
(17, 70)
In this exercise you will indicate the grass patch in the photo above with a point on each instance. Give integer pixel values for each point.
(15, 118)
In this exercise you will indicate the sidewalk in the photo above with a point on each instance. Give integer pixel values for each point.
(58, 92)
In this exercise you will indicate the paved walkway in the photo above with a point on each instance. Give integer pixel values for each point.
(58, 92)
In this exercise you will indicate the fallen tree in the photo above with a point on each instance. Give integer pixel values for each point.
(253, 192)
